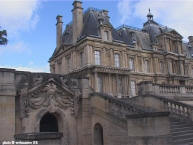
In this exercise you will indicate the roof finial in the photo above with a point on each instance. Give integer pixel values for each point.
(149, 15)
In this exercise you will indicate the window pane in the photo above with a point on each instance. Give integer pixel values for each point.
(146, 66)
(192, 72)
(133, 88)
(161, 67)
(106, 37)
(117, 62)
(97, 57)
(119, 85)
(131, 64)
(81, 59)
(68, 63)
(100, 84)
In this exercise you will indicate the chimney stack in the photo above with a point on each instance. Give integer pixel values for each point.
(59, 31)
(77, 19)
(190, 40)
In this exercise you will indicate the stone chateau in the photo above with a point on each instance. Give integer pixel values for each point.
(107, 86)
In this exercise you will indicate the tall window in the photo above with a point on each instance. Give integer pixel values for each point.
(68, 63)
(117, 60)
(186, 69)
(192, 71)
(170, 67)
(100, 84)
(161, 67)
(119, 86)
(106, 36)
(146, 66)
(97, 57)
(133, 88)
(59, 67)
(81, 59)
(131, 64)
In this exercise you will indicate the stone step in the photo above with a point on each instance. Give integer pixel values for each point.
(182, 141)
(180, 125)
(187, 128)
(182, 136)
(182, 132)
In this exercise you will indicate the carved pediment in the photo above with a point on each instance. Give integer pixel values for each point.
(49, 94)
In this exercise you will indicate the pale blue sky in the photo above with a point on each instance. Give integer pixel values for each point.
(31, 24)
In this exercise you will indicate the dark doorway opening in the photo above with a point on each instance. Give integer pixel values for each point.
(98, 134)
(48, 123)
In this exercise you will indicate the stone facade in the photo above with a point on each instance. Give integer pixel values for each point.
(91, 96)
(63, 110)
(116, 60)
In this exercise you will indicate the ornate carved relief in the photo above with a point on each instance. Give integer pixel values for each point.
(50, 94)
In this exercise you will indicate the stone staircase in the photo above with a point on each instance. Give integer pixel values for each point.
(181, 132)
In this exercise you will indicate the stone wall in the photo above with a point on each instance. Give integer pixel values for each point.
(148, 129)
(7, 104)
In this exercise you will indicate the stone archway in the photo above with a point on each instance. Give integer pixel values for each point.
(98, 134)
(49, 123)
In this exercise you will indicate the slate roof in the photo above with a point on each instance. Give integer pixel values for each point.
(125, 34)
(188, 49)
(142, 38)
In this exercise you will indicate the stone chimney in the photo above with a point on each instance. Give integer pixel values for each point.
(77, 19)
(58, 31)
(190, 40)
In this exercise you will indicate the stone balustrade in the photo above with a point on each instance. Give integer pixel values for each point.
(170, 91)
(177, 109)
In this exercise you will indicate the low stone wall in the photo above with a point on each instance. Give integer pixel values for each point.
(148, 129)
(47, 138)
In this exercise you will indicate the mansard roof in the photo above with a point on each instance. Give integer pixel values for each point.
(91, 26)
(144, 37)
(140, 37)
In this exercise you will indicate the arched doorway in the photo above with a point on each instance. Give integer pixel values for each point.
(49, 123)
(98, 134)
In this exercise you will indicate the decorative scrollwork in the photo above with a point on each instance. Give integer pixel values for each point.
(49, 95)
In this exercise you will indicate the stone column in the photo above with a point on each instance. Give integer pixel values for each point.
(87, 55)
(96, 81)
(181, 67)
(86, 114)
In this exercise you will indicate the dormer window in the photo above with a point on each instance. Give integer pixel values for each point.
(106, 36)
(132, 36)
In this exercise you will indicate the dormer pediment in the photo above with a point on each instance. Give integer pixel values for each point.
(175, 33)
